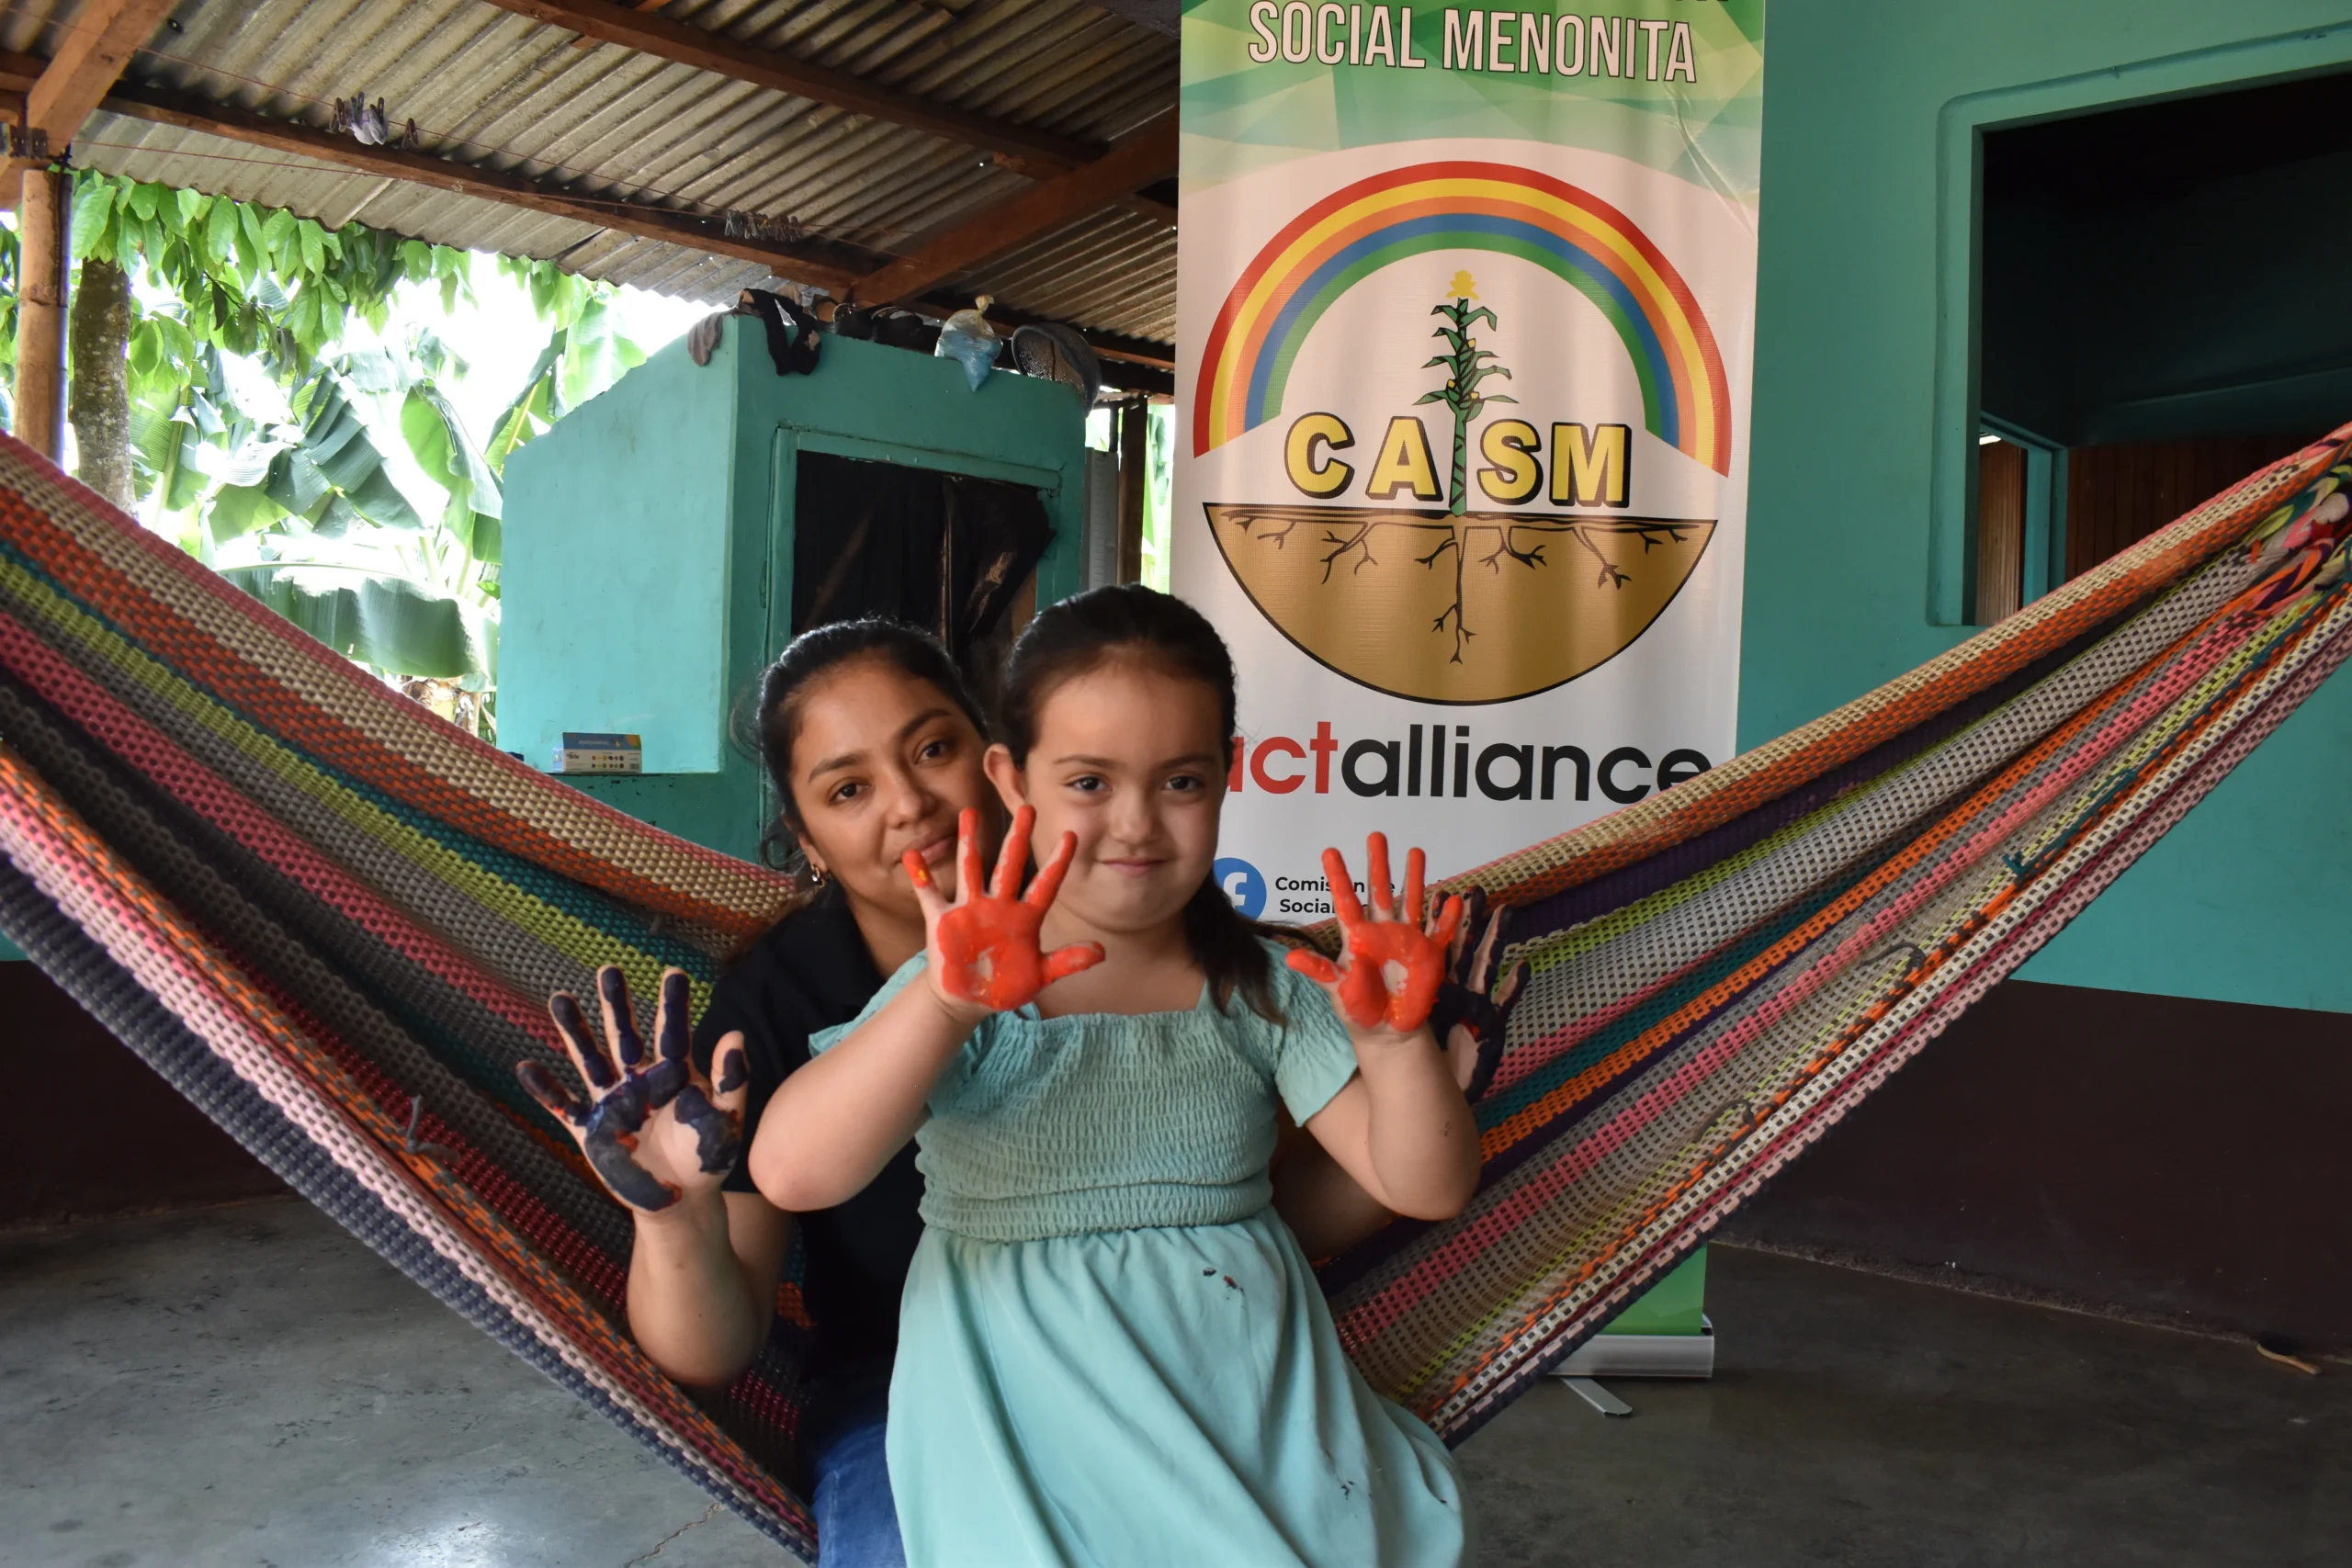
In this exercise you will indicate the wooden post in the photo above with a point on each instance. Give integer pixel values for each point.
(1135, 461)
(40, 313)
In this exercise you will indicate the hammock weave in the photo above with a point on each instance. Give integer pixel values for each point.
(331, 921)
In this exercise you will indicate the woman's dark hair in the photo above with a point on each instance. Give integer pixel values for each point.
(1129, 621)
(819, 652)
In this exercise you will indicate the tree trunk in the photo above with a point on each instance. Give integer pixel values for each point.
(100, 403)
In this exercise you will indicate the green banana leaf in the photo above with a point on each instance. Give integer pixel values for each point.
(532, 407)
(238, 509)
(388, 622)
(438, 440)
(246, 463)
(165, 447)
(595, 354)
(335, 444)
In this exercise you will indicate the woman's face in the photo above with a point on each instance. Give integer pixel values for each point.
(882, 762)
(1130, 759)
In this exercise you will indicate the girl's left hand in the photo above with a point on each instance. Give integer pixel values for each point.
(983, 948)
(1389, 973)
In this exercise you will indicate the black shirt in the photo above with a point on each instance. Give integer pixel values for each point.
(812, 971)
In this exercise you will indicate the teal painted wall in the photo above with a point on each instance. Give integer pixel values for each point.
(2243, 902)
(649, 546)
(619, 555)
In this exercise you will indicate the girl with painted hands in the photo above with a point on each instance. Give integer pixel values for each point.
(874, 744)
(1109, 1351)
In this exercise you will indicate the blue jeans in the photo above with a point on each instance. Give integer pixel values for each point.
(857, 1521)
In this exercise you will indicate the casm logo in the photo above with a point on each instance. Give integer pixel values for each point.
(1242, 882)
(1425, 595)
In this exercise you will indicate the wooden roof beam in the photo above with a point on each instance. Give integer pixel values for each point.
(1019, 148)
(98, 42)
(833, 267)
(828, 267)
(1147, 155)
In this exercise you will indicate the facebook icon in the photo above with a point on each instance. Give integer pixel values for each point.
(1241, 883)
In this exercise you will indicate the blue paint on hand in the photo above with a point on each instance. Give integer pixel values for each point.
(676, 1021)
(718, 1136)
(572, 1023)
(551, 1094)
(610, 1142)
(628, 1095)
(627, 1046)
(732, 1071)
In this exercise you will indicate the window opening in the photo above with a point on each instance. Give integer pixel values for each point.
(953, 554)
(2130, 367)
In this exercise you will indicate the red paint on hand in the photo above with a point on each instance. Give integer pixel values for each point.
(986, 944)
(1392, 965)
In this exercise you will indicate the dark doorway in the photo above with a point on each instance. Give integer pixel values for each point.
(952, 554)
(2152, 312)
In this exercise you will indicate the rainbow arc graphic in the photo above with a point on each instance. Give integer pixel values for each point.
(1465, 206)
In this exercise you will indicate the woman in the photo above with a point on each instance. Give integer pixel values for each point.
(875, 744)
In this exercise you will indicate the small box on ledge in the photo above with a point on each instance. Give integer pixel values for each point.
(596, 752)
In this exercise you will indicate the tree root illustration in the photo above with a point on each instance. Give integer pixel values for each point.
(1495, 540)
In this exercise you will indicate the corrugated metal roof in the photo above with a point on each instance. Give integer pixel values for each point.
(491, 88)
(1108, 263)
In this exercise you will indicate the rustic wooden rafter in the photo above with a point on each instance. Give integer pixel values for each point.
(1022, 147)
(1147, 156)
(92, 50)
(831, 266)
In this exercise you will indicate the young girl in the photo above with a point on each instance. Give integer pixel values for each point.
(1109, 1351)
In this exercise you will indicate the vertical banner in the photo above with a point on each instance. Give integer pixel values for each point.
(1465, 302)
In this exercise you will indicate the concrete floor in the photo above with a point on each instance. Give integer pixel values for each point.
(248, 1386)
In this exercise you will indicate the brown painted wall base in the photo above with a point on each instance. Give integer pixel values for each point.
(2182, 1160)
(105, 1134)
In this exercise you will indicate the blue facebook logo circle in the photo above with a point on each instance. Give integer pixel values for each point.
(1240, 882)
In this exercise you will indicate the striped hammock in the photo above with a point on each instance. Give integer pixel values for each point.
(331, 921)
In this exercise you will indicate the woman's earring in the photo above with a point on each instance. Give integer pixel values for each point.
(816, 875)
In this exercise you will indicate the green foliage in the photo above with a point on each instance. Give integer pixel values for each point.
(437, 440)
(8, 326)
(378, 618)
(248, 279)
(585, 355)
(342, 549)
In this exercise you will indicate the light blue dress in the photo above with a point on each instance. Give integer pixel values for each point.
(1110, 1353)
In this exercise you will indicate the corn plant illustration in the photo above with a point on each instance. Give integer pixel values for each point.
(1466, 366)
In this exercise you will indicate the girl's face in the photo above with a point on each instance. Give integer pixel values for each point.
(882, 762)
(1130, 758)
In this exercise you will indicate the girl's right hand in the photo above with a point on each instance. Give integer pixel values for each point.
(983, 949)
(653, 1131)
(1394, 960)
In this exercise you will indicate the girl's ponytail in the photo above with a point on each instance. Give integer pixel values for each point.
(1069, 639)
(1225, 944)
